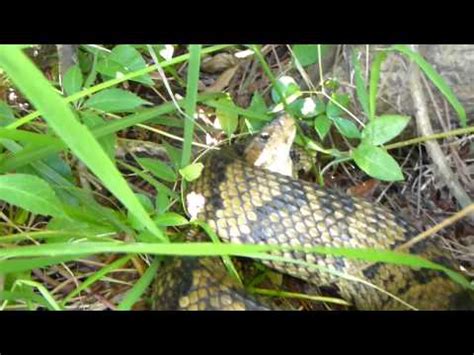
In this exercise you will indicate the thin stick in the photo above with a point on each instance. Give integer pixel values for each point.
(450, 220)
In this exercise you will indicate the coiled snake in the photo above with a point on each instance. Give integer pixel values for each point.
(250, 197)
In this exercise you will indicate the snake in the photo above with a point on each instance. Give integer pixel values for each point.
(250, 195)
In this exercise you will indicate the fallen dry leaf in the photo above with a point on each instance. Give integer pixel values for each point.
(219, 63)
(223, 80)
(364, 189)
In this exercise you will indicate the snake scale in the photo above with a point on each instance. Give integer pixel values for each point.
(249, 196)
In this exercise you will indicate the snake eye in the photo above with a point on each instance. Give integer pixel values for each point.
(264, 136)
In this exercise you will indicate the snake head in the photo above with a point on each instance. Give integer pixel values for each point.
(270, 148)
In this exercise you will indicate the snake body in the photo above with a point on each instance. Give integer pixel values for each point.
(200, 284)
(248, 202)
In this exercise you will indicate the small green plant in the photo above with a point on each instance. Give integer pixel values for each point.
(324, 112)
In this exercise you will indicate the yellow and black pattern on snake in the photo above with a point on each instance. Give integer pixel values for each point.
(247, 204)
(200, 284)
(191, 283)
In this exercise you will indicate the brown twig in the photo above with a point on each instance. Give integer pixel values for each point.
(450, 220)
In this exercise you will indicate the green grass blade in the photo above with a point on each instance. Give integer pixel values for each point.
(48, 297)
(28, 137)
(30, 193)
(268, 72)
(374, 82)
(27, 155)
(275, 293)
(226, 259)
(335, 273)
(218, 249)
(190, 101)
(116, 81)
(361, 88)
(51, 234)
(9, 266)
(437, 80)
(96, 277)
(152, 181)
(140, 287)
(31, 154)
(78, 138)
(15, 296)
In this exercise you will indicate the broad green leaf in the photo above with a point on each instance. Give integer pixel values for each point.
(90, 211)
(377, 163)
(257, 105)
(78, 138)
(437, 80)
(322, 125)
(346, 127)
(228, 119)
(122, 60)
(56, 172)
(162, 200)
(287, 87)
(333, 109)
(384, 128)
(115, 100)
(374, 82)
(170, 219)
(73, 80)
(173, 153)
(192, 171)
(226, 105)
(31, 193)
(307, 107)
(158, 168)
(307, 54)
(53, 170)
(361, 87)
(77, 227)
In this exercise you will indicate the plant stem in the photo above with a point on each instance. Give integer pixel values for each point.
(454, 132)
(190, 102)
